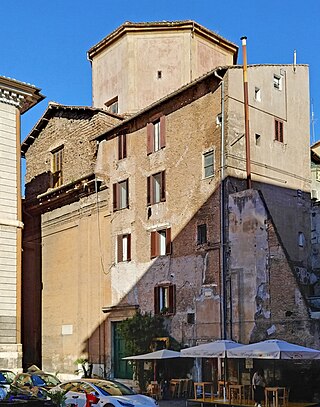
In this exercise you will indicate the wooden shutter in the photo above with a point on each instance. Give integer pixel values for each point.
(162, 131)
(115, 196)
(154, 245)
(127, 193)
(120, 147)
(163, 186)
(149, 191)
(129, 247)
(168, 241)
(281, 131)
(119, 248)
(124, 145)
(156, 300)
(172, 299)
(150, 130)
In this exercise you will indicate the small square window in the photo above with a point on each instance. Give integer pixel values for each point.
(277, 83)
(113, 105)
(202, 234)
(257, 94)
(190, 318)
(208, 164)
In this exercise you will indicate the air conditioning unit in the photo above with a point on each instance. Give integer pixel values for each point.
(314, 194)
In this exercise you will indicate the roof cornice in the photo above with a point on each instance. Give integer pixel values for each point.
(19, 94)
(161, 26)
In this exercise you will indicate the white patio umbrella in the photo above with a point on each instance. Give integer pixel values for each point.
(159, 354)
(154, 356)
(273, 349)
(215, 349)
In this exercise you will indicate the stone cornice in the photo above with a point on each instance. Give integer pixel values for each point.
(19, 94)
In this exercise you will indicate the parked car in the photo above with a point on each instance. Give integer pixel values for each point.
(35, 384)
(6, 378)
(109, 393)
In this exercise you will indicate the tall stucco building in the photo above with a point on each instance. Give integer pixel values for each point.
(150, 209)
(15, 99)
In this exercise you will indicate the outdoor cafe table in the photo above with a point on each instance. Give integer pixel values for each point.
(272, 396)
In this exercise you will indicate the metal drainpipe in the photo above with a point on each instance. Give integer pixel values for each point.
(246, 110)
(222, 218)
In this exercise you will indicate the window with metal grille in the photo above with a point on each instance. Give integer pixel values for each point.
(278, 130)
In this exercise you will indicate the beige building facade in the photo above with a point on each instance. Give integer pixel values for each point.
(152, 211)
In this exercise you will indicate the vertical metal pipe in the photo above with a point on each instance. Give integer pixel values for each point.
(222, 217)
(246, 110)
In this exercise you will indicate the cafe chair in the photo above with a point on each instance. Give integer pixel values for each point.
(154, 390)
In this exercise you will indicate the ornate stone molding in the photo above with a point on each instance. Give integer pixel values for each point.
(19, 94)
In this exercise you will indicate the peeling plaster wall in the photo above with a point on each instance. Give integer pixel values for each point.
(265, 300)
(283, 179)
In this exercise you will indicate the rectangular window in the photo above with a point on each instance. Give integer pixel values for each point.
(112, 105)
(202, 234)
(278, 130)
(122, 146)
(121, 195)
(156, 137)
(156, 188)
(57, 160)
(160, 243)
(277, 82)
(123, 248)
(208, 164)
(165, 299)
(258, 139)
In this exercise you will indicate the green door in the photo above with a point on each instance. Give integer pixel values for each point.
(122, 368)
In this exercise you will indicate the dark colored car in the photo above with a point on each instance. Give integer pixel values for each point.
(34, 384)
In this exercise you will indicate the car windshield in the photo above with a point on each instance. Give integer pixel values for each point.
(45, 380)
(108, 388)
(6, 377)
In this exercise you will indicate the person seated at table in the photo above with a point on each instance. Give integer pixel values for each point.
(258, 385)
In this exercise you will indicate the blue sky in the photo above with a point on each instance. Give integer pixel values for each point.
(45, 43)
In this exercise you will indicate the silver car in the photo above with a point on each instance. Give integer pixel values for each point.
(107, 393)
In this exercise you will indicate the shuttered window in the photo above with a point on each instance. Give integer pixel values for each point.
(156, 188)
(165, 299)
(121, 195)
(160, 242)
(156, 135)
(122, 146)
(123, 248)
(278, 130)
